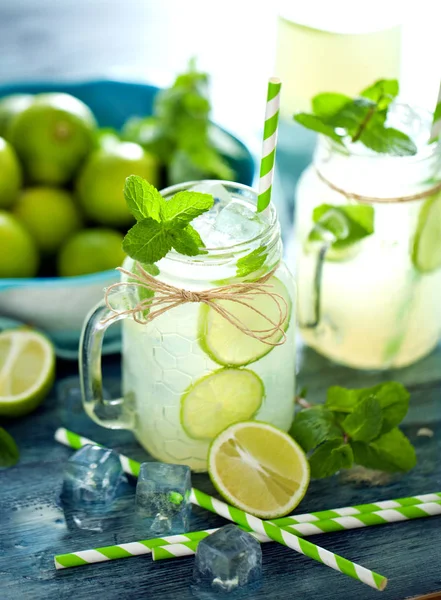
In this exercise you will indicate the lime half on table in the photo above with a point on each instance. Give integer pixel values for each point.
(225, 343)
(258, 468)
(27, 371)
(216, 401)
(426, 252)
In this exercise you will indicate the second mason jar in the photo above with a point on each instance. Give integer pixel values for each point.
(374, 303)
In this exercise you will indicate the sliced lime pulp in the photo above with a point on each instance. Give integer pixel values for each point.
(229, 346)
(220, 399)
(426, 251)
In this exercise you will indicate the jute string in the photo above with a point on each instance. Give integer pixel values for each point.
(166, 297)
(372, 199)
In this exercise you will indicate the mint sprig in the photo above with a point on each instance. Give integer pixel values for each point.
(162, 224)
(360, 119)
(9, 452)
(341, 226)
(356, 426)
(180, 133)
(252, 262)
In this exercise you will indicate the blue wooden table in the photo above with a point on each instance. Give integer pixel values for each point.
(33, 527)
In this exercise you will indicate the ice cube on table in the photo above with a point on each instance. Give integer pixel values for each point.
(239, 222)
(92, 479)
(228, 559)
(163, 498)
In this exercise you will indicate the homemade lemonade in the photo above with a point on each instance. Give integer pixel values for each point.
(374, 303)
(199, 367)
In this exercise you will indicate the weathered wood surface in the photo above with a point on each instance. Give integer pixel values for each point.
(33, 528)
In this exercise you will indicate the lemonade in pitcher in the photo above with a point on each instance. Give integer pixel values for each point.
(223, 351)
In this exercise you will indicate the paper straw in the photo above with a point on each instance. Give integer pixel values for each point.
(332, 560)
(381, 517)
(131, 467)
(348, 511)
(269, 144)
(185, 544)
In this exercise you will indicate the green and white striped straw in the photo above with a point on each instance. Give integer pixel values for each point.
(185, 544)
(381, 517)
(358, 509)
(269, 144)
(131, 467)
(332, 560)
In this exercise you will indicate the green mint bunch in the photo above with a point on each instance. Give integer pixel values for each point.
(180, 132)
(356, 427)
(360, 119)
(162, 224)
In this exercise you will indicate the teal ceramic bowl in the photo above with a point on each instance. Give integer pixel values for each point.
(59, 305)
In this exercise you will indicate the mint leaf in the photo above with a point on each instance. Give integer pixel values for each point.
(340, 399)
(315, 425)
(362, 118)
(147, 241)
(175, 498)
(352, 115)
(9, 452)
(342, 225)
(391, 452)
(365, 422)
(327, 104)
(152, 269)
(251, 262)
(186, 241)
(329, 458)
(142, 198)
(382, 92)
(392, 397)
(387, 140)
(186, 206)
(203, 162)
(319, 125)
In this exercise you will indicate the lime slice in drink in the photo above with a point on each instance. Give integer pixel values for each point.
(258, 468)
(225, 343)
(27, 370)
(426, 251)
(219, 400)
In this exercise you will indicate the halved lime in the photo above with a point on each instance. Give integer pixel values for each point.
(220, 399)
(259, 469)
(27, 371)
(426, 251)
(225, 343)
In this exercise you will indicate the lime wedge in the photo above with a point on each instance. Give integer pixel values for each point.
(426, 251)
(258, 468)
(27, 371)
(225, 343)
(219, 400)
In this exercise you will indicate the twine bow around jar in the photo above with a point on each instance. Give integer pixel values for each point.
(166, 297)
(372, 199)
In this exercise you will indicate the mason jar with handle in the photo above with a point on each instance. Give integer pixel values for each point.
(368, 237)
(222, 351)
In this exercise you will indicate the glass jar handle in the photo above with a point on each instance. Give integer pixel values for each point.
(114, 414)
(310, 301)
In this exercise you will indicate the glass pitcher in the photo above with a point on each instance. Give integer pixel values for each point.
(188, 374)
(377, 303)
